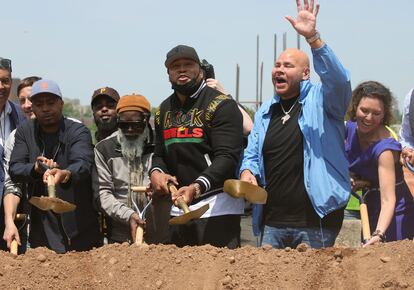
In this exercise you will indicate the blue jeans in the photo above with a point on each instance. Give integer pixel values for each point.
(282, 237)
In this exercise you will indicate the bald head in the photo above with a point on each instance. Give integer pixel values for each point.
(291, 68)
(294, 53)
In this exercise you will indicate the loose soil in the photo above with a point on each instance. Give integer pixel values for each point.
(386, 266)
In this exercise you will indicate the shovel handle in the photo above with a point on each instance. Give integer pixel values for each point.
(139, 188)
(366, 232)
(51, 186)
(180, 200)
(13, 247)
(139, 236)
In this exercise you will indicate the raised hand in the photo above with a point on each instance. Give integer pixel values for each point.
(305, 22)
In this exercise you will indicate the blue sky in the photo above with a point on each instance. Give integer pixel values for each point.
(84, 44)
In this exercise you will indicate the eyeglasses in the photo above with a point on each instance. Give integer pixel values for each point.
(134, 125)
(5, 64)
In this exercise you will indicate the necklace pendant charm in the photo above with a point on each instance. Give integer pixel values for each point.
(285, 118)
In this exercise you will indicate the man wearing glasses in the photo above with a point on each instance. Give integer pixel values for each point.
(10, 117)
(122, 162)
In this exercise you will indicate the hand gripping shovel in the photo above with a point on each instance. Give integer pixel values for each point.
(51, 202)
(242, 189)
(139, 236)
(14, 245)
(188, 215)
(363, 210)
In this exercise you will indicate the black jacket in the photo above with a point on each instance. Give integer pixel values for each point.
(200, 141)
(75, 153)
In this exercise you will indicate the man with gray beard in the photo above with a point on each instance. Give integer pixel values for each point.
(122, 162)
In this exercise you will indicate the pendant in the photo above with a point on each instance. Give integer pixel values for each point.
(285, 118)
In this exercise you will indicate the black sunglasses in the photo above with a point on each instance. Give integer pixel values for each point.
(134, 125)
(5, 64)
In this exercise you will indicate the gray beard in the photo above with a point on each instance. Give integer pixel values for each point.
(132, 149)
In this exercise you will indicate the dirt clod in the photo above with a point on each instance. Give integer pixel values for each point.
(302, 247)
(41, 258)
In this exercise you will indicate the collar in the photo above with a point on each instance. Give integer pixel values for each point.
(8, 108)
(60, 132)
(304, 89)
(195, 95)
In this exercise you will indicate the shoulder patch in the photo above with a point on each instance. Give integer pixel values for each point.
(157, 117)
(212, 107)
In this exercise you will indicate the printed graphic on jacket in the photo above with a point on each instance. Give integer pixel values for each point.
(183, 127)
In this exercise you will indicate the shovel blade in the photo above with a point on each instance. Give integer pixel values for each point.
(242, 189)
(54, 204)
(185, 218)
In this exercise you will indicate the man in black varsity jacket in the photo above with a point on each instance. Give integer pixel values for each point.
(198, 145)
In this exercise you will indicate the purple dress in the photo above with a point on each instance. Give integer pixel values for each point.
(365, 165)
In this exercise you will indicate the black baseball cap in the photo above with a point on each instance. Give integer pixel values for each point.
(181, 51)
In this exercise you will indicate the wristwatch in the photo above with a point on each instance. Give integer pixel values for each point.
(313, 38)
(379, 234)
(197, 190)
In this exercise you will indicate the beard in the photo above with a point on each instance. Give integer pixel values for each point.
(106, 126)
(132, 149)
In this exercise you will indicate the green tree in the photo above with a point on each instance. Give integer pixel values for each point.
(70, 111)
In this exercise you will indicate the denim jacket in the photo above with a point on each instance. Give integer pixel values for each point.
(321, 122)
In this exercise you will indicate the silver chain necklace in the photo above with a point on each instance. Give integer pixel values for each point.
(286, 116)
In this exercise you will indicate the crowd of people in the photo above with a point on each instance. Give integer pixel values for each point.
(298, 148)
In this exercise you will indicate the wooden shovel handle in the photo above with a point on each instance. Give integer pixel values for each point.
(139, 236)
(13, 247)
(180, 200)
(139, 188)
(51, 190)
(366, 232)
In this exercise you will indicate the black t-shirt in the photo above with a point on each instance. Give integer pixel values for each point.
(288, 202)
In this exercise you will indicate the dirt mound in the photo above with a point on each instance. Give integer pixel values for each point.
(389, 266)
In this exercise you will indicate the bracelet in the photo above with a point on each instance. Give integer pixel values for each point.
(197, 190)
(379, 234)
(313, 38)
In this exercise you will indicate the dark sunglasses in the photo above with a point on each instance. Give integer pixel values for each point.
(5, 64)
(134, 125)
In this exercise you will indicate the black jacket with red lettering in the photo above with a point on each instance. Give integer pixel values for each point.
(200, 141)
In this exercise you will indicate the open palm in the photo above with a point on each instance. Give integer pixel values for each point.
(305, 22)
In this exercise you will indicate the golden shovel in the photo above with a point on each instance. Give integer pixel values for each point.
(363, 209)
(51, 202)
(188, 215)
(13, 247)
(242, 189)
(139, 236)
